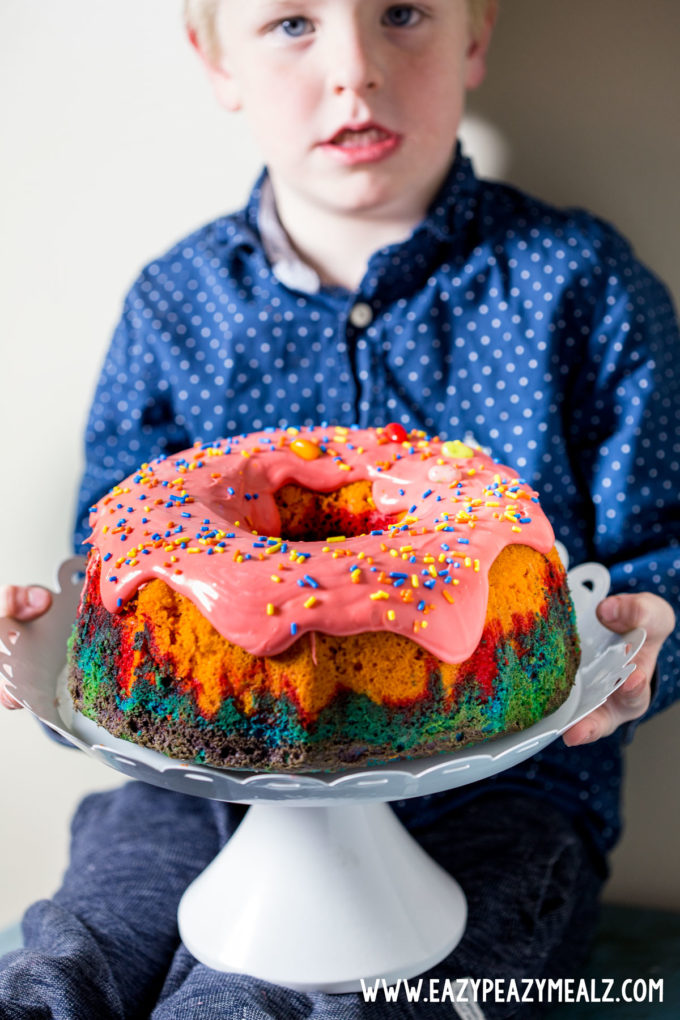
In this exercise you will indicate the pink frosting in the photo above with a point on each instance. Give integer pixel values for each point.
(205, 522)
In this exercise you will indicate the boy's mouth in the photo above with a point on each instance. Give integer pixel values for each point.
(365, 143)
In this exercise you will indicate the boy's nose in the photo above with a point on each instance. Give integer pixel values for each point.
(352, 68)
(364, 86)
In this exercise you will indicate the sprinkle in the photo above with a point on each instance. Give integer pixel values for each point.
(448, 596)
(275, 577)
(391, 615)
(379, 595)
(293, 629)
(311, 601)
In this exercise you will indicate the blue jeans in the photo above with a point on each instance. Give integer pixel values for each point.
(107, 945)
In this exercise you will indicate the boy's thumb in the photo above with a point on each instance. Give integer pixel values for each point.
(609, 612)
(38, 598)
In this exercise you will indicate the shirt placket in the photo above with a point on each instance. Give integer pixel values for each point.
(361, 335)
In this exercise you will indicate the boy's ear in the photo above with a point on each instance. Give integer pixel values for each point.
(478, 49)
(223, 82)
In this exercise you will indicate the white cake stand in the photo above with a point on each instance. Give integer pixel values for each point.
(336, 891)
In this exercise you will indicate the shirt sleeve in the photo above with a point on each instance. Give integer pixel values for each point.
(625, 429)
(132, 419)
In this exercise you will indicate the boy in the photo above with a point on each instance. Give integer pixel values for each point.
(374, 278)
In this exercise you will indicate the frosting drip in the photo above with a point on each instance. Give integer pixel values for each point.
(206, 522)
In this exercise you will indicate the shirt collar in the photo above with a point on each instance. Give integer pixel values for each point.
(286, 264)
(454, 205)
(259, 225)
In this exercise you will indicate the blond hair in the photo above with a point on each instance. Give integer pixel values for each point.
(201, 21)
(478, 11)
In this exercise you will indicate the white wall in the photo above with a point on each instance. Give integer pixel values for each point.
(114, 148)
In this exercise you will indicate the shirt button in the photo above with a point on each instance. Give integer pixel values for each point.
(361, 315)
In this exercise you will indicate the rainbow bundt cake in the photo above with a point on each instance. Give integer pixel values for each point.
(320, 598)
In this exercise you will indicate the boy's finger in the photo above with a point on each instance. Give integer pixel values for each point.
(598, 724)
(629, 702)
(642, 609)
(634, 695)
(24, 603)
(6, 699)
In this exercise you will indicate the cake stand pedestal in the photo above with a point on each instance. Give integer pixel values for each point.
(333, 894)
(321, 886)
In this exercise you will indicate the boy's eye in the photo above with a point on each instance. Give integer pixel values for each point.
(295, 27)
(402, 16)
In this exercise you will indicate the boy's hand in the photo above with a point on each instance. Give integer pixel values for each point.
(21, 604)
(621, 613)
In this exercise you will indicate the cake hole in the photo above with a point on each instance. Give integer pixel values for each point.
(309, 516)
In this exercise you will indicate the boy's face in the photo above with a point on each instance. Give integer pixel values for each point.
(355, 103)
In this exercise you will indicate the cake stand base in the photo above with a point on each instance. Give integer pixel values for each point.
(335, 894)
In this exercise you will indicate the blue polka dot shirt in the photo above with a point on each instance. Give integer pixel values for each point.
(533, 329)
